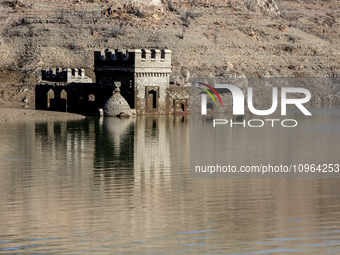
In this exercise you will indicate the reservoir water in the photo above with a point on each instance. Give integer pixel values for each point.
(123, 186)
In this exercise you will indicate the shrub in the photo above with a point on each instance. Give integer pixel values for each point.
(169, 4)
(118, 28)
(189, 14)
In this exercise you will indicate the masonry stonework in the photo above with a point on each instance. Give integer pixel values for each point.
(143, 75)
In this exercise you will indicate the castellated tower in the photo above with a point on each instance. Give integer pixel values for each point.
(144, 76)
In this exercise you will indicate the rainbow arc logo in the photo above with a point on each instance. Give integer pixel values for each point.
(212, 89)
(238, 99)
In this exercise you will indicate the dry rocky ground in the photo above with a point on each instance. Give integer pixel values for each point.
(232, 38)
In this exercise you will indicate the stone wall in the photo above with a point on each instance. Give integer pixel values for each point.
(136, 58)
(65, 75)
(105, 80)
(74, 97)
(144, 76)
(178, 99)
(151, 86)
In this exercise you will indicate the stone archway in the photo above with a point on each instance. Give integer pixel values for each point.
(63, 94)
(63, 100)
(180, 106)
(152, 94)
(50, 95)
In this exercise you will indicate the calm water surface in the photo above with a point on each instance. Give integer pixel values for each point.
(123, 186)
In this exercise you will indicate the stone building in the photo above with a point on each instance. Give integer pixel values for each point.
(143, 78)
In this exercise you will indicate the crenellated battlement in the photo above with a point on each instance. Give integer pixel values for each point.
(65, 75)
(153, 58)
(143, 76)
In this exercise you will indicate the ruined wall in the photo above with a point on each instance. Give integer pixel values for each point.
(65, 75)
(105, 85)
(179, 99)
(66, 90)
(152, 79)
(144, 77)
(111, 67)
(151, 92)
(74, 97)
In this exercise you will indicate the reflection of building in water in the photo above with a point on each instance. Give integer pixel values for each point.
(135, 150)
(114, 149)
(46, 161)
(143, 75)
(49, 190)
(179, 133)
(152, 151)
(58, 138)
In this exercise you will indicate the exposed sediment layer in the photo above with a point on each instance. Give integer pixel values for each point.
(15, 115)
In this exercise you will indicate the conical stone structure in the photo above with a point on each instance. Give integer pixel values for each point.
(117, 106)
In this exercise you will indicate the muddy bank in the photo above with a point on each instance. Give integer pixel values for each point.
(14, 115)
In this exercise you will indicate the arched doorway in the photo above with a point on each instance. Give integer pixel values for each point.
(50, 95)
(152, 99)
(210, 106)
(180, 106)
(63, 101)
(63, 94)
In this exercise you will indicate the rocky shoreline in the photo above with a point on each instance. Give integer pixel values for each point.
(15, 115)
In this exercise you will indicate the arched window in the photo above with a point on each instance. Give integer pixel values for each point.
(92, 98)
